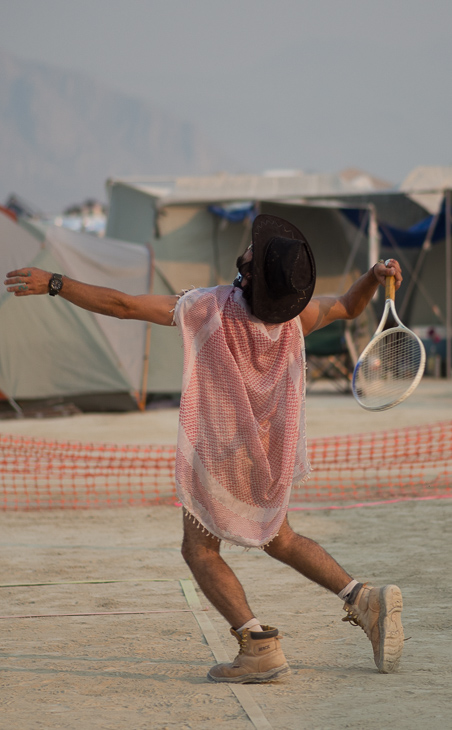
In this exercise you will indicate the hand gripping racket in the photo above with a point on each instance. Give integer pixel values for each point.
(392, 364)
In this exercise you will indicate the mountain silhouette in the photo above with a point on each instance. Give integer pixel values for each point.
(62, 134)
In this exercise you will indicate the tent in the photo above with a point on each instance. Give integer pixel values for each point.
(51, 349)
(414, 226)
(166, 235)
(351, 230)
(98, 362)
(134, 203)
(16, 246)
(198, 227)
(431, 283)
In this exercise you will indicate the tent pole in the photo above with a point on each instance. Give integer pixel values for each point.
(15, 406)
(215, 251)
(374, 240)
(448, 286)
(147, 347)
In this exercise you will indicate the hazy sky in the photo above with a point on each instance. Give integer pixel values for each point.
(317, 85)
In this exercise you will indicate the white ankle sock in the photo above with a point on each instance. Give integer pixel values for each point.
(348, 589)
(253, 624)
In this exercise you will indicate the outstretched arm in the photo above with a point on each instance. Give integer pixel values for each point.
(149, 307)
(324, 310)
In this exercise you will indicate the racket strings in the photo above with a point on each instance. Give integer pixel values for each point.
(388, 369)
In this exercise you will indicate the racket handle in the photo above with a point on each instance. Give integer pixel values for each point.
(390, 287)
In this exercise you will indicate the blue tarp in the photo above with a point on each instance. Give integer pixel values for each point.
(235, 213)
(412, 237)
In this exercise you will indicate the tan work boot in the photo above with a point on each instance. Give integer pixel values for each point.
(260, 659)
(377, 611)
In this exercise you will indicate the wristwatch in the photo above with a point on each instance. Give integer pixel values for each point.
(55, 284)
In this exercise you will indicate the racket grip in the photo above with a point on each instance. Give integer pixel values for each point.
(390, 287)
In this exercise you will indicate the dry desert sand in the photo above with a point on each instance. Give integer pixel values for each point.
(148, 670)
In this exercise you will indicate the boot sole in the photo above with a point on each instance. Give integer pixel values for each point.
(391, 629)
(257, 678)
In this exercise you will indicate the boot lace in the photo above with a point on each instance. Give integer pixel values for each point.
(242, 644)
(242, 641)
(353, 618)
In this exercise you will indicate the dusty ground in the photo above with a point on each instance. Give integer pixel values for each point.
(148, 670)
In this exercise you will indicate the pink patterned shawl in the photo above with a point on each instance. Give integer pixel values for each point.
(241, 441)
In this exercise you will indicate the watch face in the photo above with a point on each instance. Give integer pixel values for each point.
(55, 285)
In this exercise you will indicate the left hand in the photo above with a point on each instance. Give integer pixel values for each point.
(381, 271)
(28, 280)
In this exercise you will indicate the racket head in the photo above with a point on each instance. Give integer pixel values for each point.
(389, 369)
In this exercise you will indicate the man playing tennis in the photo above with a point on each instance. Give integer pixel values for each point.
(242, 436)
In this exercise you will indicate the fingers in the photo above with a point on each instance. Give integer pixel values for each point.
(20, 291)
(390, 267)
(23, 282)
(393, 269)
(17, 280)
(19, 272)
(17, 285)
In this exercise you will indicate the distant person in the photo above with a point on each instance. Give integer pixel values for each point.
(242, 437)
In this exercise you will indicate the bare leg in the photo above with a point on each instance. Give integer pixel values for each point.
(308, 558)
(215, 578)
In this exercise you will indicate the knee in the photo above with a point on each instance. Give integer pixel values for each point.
(198, 546)
(282, 543)
(195, 552)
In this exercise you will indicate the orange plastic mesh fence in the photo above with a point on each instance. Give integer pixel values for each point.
(41, 474)
(408, 462)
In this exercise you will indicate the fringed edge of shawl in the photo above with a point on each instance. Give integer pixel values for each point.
(226, 543)
(199, 525)
(229, 543)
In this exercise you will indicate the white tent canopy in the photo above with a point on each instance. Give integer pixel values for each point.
(134, 202)
(426, 185)
(224, 187)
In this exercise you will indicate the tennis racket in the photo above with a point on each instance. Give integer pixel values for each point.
(392, 364)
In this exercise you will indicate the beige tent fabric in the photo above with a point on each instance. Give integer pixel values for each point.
(114, 264)
(180, 275)
(49, 348)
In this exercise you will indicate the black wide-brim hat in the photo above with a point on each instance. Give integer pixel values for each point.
(283, 273)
